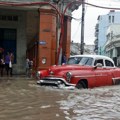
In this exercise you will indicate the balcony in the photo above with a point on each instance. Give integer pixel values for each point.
(96, 34)
(97, 26)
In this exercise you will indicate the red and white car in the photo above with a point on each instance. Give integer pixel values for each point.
(82, 71)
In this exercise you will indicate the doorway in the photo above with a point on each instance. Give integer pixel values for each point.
(8, 41)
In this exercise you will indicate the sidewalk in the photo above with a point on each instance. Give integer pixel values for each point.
(16, 77)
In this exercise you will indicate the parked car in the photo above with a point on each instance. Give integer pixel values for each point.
(82, 71)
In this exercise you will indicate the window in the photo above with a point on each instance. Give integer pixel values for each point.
(8, 18)
(86, 61)
(99, 61)
(109, 19)
(109, 63)
(112, 19)
(74, 60)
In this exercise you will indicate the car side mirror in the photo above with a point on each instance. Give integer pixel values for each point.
(98, 65)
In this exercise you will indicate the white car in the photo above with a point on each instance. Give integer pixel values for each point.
(91, 60)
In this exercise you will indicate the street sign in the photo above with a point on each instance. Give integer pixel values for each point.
(42, 42)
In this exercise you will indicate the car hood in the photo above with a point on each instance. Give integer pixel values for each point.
(59, 68)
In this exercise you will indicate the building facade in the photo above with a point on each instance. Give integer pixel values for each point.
(112, 45)
(34, 29)
(104, 21)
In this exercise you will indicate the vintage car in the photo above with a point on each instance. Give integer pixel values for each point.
(82, 71)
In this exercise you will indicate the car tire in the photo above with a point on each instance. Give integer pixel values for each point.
(81, 85)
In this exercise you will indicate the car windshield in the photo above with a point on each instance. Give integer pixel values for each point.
(74, 60)
(80, 60)
(86, 61)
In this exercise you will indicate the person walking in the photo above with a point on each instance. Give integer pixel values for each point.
(2, 64)
(27, 67)
(11, 63)
(1, 61)
(7, 61)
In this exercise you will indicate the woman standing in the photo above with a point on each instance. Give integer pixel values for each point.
(11, 63)
(2, 64)
(1, 61)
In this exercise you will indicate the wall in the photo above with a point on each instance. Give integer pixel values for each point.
(47, 44)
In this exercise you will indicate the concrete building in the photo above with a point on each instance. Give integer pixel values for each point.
(104, 21)
(31, 28)
(112, 45)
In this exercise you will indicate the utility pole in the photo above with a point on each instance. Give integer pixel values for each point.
(82, 28)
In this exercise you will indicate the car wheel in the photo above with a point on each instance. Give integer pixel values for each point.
(81, 85)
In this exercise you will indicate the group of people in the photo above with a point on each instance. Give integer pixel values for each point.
(6, 62)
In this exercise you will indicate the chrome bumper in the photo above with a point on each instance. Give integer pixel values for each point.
(54, 81)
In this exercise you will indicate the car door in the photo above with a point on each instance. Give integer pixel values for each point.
(101, 74)
(110, 68)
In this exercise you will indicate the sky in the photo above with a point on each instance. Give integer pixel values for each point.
(91, 15)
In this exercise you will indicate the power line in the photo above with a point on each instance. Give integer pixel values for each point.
(103, 7)
(76, 31)
(77, 19)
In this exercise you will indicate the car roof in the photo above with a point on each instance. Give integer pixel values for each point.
(93, 56)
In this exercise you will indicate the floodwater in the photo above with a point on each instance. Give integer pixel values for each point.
(23, 99)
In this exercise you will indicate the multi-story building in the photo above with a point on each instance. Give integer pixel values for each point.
(112, 45)
(104, 21)
(31, 28)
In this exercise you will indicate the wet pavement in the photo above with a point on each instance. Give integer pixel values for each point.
(22, 99)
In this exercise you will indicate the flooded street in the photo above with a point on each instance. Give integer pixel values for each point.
(23, 99)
